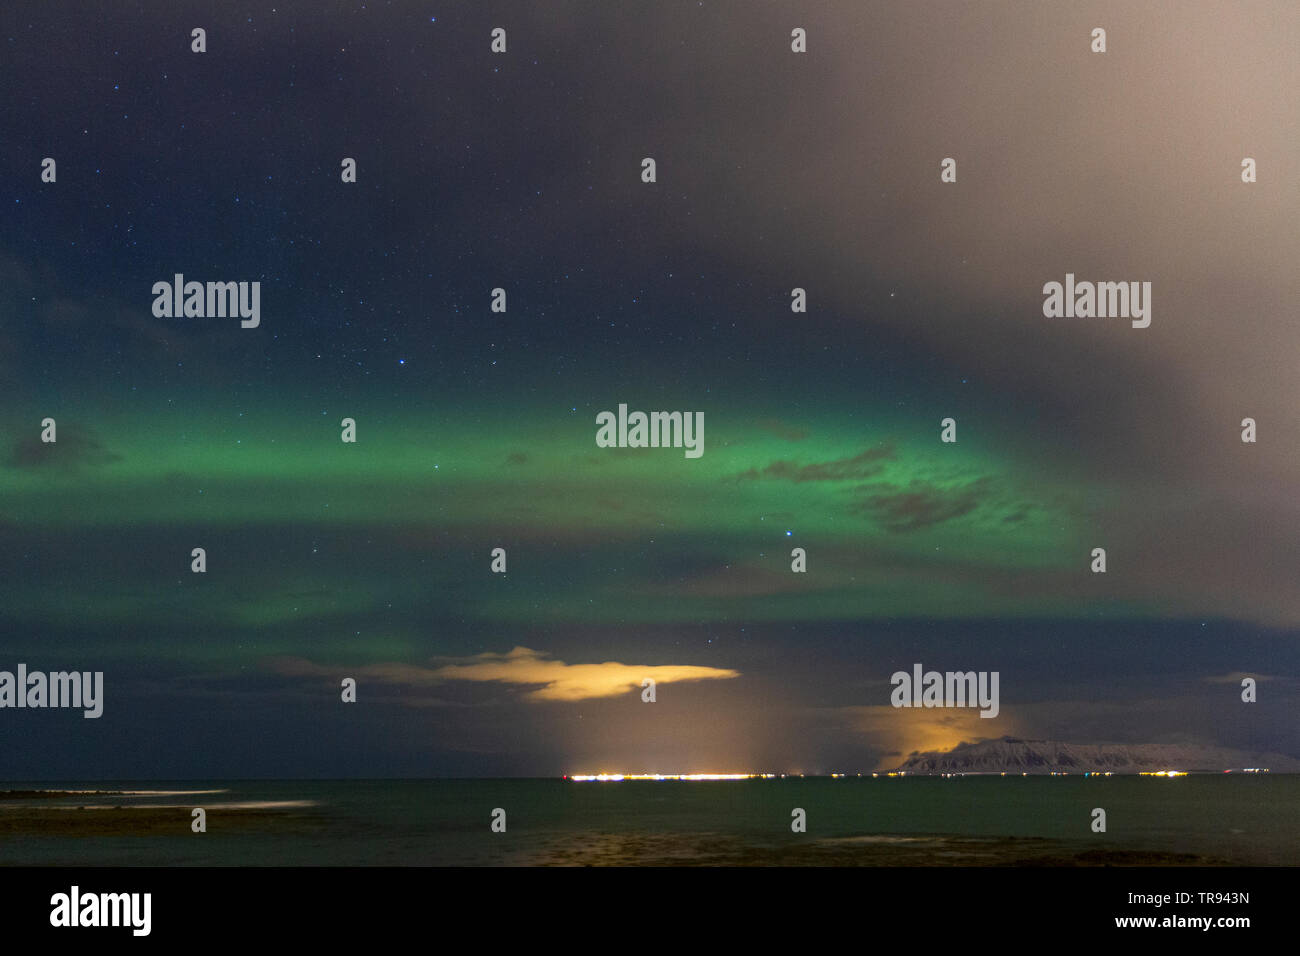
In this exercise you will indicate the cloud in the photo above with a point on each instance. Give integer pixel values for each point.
(76, 446)
(864, 465)
(1193, 719)
(782, 430)
(1236, 677)
(561, 681)
(520, 666)
(920, 504)
(901, 731)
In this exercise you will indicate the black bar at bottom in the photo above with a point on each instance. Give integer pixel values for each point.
(584, 907)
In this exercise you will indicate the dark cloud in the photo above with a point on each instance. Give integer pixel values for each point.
(76, 447)
(864, 465)
(920, 504)
(782, 430)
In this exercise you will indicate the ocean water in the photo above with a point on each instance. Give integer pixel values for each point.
(915, 821)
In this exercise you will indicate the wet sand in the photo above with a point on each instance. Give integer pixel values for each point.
(154, 821)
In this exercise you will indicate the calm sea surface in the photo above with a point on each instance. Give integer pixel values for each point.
(917, 821)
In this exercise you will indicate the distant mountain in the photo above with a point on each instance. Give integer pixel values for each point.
(1016, 755)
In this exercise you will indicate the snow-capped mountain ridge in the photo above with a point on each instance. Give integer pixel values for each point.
(1018, 755)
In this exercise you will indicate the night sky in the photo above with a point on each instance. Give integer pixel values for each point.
(476, 429)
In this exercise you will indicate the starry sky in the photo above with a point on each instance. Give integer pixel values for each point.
(475, 429)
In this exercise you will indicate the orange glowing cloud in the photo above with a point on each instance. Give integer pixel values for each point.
(523, 666)
(902, 730)
(561, 681)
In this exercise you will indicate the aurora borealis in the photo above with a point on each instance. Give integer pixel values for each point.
(476, 430)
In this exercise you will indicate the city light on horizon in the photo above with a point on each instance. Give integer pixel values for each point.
(615, 777)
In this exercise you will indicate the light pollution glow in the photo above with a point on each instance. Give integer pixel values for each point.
(615, 777)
